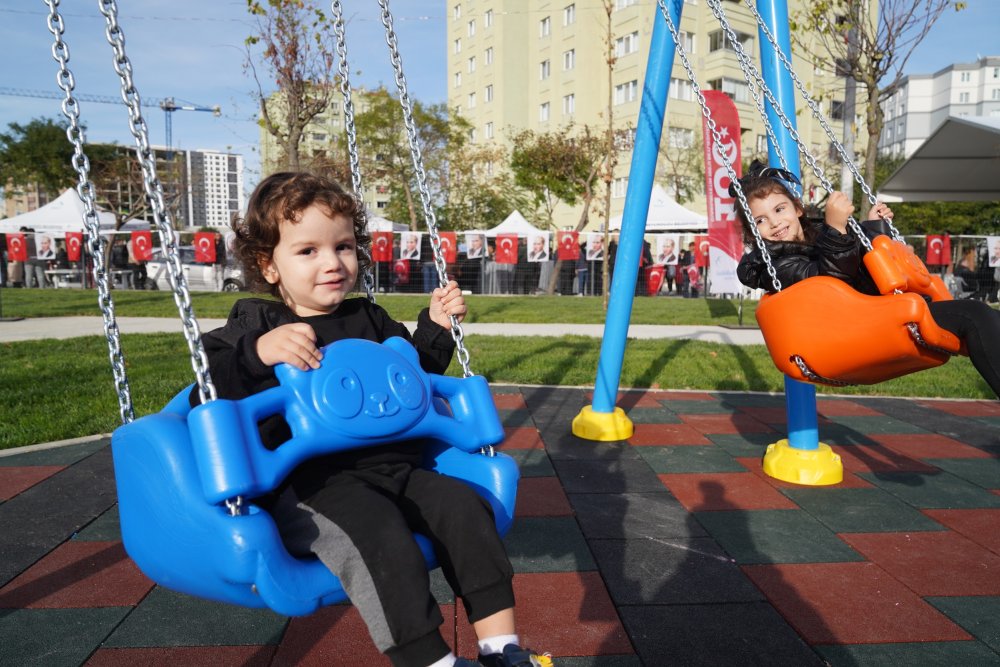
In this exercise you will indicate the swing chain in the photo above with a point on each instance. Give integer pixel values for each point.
(815, 377)
(425, 196)
(343, 72)
(154, 194)
(919, 339)
(85, 189)
(235, 506)
(818, 114)
(717, 142)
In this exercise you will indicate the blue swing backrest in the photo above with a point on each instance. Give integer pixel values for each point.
(175, 469)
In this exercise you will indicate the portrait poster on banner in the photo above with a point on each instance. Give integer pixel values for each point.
(45, 247)
(475, 245)
(993, 248)
(409, 245)
(595, 246)
(724, 235)
(569, 246)
(538, 248)
(666, 249)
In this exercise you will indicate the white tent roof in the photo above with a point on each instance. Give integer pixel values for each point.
(64, 214)
(959, 162)
(665, 214)
(515, 224)
(379, 224)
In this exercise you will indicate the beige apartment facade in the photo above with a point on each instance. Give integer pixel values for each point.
(542, 65)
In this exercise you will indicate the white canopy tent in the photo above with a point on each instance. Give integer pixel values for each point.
(379, 224)
(64, 214)
(960, 161)
(666, 215)
(515, 224)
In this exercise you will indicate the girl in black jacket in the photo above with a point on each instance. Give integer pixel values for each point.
(802, 248)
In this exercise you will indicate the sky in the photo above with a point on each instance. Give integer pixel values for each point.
(192, 50)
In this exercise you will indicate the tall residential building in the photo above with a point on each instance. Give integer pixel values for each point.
(924, 101)
(542, 64)
(19, 200)
(216, 192)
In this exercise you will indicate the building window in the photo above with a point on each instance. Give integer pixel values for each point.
(457, 12)
(472, 28)
(543, 112)
(995, 94)
(963, 98)
(472, 135)
(626, 92)
(680, 89)
(544, 69)
(719, 40)
(837, 110)
(569, 15)
(472, 100)
(458, 79)
(488, 95)
(965, 77)
(761, 143)
(569, 104)
(619, 187)
(545, 27)
(489, 130)
(569, 59)
(680, 137)
(687, 41)
(458, 46)
(996, 72)
(622, 4)
(488, 56)
(472, 64)
(627, 44)
(737, 90)
(488, 18)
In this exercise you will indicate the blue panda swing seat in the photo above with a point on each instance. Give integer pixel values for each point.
(187, 477)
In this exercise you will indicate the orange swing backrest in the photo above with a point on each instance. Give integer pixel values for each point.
(851, 337)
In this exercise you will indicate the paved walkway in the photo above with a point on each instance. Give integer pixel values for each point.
(670, 548)
(71, 327)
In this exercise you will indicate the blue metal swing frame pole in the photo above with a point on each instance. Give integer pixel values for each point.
(603, 420)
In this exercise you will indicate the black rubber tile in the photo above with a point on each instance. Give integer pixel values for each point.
(166, 618)
(946, 654)
(515, 418)
(633, 515)
(599, 661)
(933, 490)
(532, 462)
(735, 400)
(653, 416)
(54, 637)
(565, 445)
(671, 571)
(105, 528)
(607, 476)
(970, 431)
(664, 460)
(56, 456)
(860, 510)
(697, 407)
(876, 424)
(979, 616)
(548, 544)
(981, 472)
(775, 536)
(743, 445)
(750, 633)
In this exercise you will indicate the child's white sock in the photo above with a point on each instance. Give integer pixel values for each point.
(492, 645)
(446, 661)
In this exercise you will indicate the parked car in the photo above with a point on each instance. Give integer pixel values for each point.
(200, 277)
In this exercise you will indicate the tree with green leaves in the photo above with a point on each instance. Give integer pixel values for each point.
(681, 163)
(36, 154)
(481, 189)
(296, 38)
(869, 46)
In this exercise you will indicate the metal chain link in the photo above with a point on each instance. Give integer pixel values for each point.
(813, 376)
(368, 277)
(85, 188)
(154, 194)
(818, 114)
(418, 166)
(717, 142)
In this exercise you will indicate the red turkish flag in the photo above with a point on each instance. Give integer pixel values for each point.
(569, 245)
(204, 247)
(654, 279)
(142, 246)
(946, 249)
(701, 246)
(381, 246)
(17, 248)
(449, 246)
(506, 249)
(74, 246)
(935, 245)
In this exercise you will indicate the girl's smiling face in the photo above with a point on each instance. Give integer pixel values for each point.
(777, 217)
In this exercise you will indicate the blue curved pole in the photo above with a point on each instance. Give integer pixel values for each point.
(649, 127)
(800, 397)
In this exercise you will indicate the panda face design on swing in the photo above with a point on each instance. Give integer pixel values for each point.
(364, 390)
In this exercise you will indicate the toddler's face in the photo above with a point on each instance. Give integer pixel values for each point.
(777, 218)
(315, 264)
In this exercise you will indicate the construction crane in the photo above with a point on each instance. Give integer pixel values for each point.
(168, 105)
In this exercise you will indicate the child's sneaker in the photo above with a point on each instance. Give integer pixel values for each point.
(515, 656)
(465, 662)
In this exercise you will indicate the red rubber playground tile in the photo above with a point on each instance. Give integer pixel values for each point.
(965, 408)
(15, 480)
(626, 400)
(935, 563)
(844, 408)
(541, 496)
(78, 574)
(756, 466)
(666, 434)
(522, 437)
(878, 458)
(773, 416)
(204, 656)
(332, 636)
(509, 402)
(982, 526)
(710, 492)
(928, 446)
(726, 423)
(850, 603)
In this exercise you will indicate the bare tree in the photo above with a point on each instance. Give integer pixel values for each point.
(681, 163)
(880, 44)
(293, 34)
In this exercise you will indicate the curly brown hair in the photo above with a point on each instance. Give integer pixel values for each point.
(283, 197)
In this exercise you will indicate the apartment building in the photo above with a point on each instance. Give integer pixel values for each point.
(924, 101)
(216, 193)
(542, 64)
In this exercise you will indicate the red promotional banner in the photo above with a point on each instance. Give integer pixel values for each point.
(938, 249)
(569, 245)
(506, 249)
(725, 239)
(74, 246)
(381, 246)
(17, 248)
(701, 250)
(204, 247)
(142, 246)
(449, 246)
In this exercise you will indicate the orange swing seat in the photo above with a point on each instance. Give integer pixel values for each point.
(845, 337)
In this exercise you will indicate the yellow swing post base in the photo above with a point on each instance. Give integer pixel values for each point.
(810, 467)
(602, 426)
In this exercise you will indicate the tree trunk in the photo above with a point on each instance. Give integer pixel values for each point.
(874, 120)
